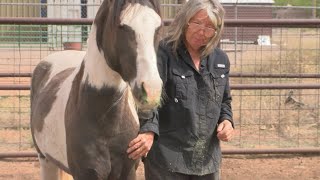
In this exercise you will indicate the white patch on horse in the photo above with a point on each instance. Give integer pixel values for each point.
(52, 139)
(132, 106)
(96, 70)
(144, 21)
(63, 60)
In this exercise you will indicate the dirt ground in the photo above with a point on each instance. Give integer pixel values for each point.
(234, 167)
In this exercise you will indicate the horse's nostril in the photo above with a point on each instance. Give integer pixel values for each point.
(144, 93)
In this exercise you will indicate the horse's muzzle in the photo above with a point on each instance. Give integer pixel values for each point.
(147, 95)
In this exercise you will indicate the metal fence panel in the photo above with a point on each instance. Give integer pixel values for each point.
(264, 118)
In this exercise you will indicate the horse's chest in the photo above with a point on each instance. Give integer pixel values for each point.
(100, 114)
(96, 138)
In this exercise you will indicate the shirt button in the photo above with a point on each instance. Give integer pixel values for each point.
(176, 100)
(183, 77)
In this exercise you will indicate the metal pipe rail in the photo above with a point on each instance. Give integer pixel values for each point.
(225, 152)
(233, 87)
(303, 23)
(269, 75)
(7, 75)
(236, 75)
(273, 151)
(273, 86)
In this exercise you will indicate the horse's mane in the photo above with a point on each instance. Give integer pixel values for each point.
(108, 17)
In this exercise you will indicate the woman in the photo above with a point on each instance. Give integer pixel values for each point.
(196, 111)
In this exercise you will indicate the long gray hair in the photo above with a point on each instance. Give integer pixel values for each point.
(177, 29)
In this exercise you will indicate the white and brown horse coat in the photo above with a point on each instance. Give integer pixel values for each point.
(82, 109)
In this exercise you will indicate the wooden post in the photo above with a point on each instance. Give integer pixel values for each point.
(314, 10)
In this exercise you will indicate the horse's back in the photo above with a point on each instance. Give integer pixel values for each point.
(50, 88)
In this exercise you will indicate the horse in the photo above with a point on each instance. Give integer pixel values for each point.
(84, 104)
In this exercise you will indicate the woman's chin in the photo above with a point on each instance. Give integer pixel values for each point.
(198, 44)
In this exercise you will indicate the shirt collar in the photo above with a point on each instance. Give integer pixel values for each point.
(183, 52)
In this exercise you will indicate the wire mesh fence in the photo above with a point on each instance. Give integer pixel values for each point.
(264, 118)
(277, 117)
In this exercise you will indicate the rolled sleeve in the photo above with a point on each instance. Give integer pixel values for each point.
(226, 109)
(149, 122)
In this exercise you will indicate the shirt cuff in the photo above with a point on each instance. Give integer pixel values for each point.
(150, 127)
(226, 118)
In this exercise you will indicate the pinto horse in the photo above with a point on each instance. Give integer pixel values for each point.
(84, 104)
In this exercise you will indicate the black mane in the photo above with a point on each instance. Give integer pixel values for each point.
(108, 18)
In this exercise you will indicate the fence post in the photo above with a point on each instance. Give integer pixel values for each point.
(314, 10)
(182, 1)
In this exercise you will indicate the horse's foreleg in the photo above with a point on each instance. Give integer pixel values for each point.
(64, 176)
(49, 171)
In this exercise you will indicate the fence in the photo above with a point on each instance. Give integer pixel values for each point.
(275, 82)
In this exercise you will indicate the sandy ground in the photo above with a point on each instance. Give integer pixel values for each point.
(234, 167)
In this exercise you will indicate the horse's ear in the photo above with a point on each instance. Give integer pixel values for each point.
(156, 5)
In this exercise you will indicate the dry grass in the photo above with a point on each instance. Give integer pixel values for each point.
(262, 117)
(265, 118)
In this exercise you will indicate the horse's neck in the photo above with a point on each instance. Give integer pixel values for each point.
(121, 115)
(97, 73)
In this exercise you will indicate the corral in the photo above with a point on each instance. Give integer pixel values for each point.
(275, 91)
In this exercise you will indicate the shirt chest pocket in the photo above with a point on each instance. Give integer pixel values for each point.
(220, 82)
(183, 84)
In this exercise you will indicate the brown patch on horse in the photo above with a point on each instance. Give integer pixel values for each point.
(43, 97)
(99, 123)
(40, 77)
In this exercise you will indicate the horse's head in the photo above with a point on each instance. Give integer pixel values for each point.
(127, 33)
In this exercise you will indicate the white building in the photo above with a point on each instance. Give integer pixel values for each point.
(72, 9)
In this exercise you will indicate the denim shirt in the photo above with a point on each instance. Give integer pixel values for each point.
(194, 103)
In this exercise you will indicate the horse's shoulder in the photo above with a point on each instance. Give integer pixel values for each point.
(69, 58)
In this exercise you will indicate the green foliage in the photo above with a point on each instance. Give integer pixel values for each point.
(295, 2)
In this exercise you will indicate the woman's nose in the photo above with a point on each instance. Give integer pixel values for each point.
(201, 31)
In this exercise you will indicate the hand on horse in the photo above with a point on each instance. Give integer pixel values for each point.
(225, 131)
(140, 146)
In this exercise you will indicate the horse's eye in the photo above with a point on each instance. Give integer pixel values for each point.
(123, 28)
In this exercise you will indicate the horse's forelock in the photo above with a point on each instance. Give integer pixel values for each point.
(108, 17)
(153, 4)
(156, 6)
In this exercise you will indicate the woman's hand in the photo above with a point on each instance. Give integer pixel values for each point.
(225, 131)
(140, 146)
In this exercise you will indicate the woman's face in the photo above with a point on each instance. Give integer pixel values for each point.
(199, 31)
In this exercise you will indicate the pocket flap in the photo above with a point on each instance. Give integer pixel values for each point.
(182, 75)
(220, 74)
